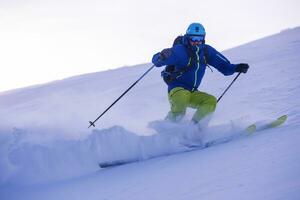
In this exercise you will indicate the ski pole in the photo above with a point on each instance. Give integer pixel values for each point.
(228, 87)
(93, 123)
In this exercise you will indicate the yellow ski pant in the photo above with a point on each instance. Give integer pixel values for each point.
(181, 98)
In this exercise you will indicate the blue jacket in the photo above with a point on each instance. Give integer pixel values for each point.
(180, 57)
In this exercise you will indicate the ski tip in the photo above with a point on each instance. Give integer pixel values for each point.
(283, 117)
(251, 129)
(91, 124)
(279, 121)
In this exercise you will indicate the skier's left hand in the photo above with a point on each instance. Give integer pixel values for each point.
(242, 67)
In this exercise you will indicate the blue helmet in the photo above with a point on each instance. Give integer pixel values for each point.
(196, 29)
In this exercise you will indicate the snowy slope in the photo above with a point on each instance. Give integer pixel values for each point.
(47, 152)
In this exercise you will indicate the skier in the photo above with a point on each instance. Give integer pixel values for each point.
(190, 57)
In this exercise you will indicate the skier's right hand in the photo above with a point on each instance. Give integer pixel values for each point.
(156, 60)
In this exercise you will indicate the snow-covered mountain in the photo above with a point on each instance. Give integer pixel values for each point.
(47, 151)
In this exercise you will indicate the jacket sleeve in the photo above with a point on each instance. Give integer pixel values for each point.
(220, 62)
(171, 60)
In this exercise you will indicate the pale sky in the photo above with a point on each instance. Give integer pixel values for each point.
(46, 40)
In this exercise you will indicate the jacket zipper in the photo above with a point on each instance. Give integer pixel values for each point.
(198, 66)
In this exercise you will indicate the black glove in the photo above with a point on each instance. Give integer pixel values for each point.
(242, 67)
(164, 54)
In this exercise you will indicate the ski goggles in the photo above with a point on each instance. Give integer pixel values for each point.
(196, 38)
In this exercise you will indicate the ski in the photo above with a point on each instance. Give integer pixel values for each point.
(116, 163)
(250, 130)
(267, 125)
(255, 127)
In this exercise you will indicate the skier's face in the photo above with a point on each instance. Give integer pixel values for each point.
(195, 43)
(196, 40)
